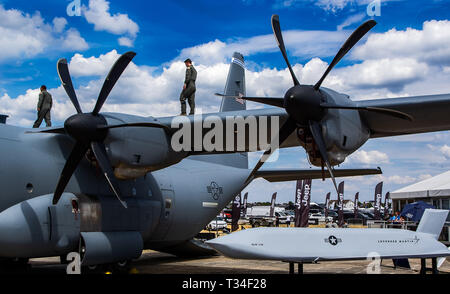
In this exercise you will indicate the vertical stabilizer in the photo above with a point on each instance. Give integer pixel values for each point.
(235, 85)
(432, 222)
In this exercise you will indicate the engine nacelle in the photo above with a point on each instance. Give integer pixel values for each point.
(109, 247)
(343, 131)
(135, 151)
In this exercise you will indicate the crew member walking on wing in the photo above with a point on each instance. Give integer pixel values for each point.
(188, 88)
(44, 107)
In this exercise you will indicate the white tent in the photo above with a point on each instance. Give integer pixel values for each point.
(438, 186)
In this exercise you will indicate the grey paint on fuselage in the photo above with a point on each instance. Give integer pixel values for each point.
(185, 183)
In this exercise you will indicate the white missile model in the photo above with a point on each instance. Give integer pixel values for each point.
(305, 245)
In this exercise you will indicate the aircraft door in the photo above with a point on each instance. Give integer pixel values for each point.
(167, 208)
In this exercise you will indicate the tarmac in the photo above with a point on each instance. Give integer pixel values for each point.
(153, 262)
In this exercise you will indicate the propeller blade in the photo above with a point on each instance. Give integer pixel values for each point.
(113, 76)
(274, 101)
(64, 76)
(107, 170)
(387, 111)
(279, 37)
(71, 165)
(285, 131)
(318, 139)
(351, 41)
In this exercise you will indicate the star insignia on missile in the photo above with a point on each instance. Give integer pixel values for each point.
(333, 240)
(215, 190)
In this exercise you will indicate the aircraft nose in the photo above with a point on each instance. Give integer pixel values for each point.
(219, 245)
(20, 231)
(29, 229)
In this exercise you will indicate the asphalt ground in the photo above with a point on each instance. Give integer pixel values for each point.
(153, 262)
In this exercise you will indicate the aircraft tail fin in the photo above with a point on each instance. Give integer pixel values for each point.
(235, 85)
(432, 222)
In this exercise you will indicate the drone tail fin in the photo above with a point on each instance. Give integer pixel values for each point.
(432, 222)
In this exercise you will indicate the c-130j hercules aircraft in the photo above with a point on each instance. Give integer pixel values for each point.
(127, 189)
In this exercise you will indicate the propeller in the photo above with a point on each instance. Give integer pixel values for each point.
(90, 129)
(306, 105)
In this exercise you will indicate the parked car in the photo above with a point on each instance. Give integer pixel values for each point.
(283, 218)
(320, 217)
(217, 224)
(360, 218)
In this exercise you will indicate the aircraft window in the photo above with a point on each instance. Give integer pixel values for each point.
(29, 188)
(345, 141)
(168, 203)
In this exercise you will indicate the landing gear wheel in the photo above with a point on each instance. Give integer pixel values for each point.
(93, 269)
(121, 267)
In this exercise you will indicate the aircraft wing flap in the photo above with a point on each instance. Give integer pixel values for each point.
(278, 175)
(430, 114)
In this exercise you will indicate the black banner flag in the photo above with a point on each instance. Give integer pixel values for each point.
(327, 204)
(304, 204)
(377, 202)
(272, 204)
(341, 204)
(236, 212)
(244, 205)
(298, 200)
(356, 204)
(386, 204)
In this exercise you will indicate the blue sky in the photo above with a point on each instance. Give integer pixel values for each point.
(406, 54)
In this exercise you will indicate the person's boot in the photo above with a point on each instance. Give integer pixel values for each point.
(183, 114)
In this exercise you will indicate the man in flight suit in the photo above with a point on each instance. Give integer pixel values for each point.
(44, 106)
(188, 88)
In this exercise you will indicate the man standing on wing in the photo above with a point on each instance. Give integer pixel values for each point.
(43, 108)
(188, 88)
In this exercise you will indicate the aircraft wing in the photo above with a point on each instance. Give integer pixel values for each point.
(174, 124)
(275, 175)
(430, 114)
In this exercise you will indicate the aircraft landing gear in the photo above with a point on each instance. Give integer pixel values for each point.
(300, 268)
(424, 269)
(122, 267)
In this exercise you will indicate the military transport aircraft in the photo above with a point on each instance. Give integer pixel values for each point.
(127, 187)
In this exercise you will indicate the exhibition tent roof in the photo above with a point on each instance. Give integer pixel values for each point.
(433, 187)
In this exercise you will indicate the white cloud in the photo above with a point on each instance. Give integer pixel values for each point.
(73, 41)
(98, 14)
(332, 6)
(369, 157)
(388, 73)
(298, 43)
(431, 44)
(126, 42)
(24, 36)
(402, 180)
(59, 24)
(351, 20)
(445, 150)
